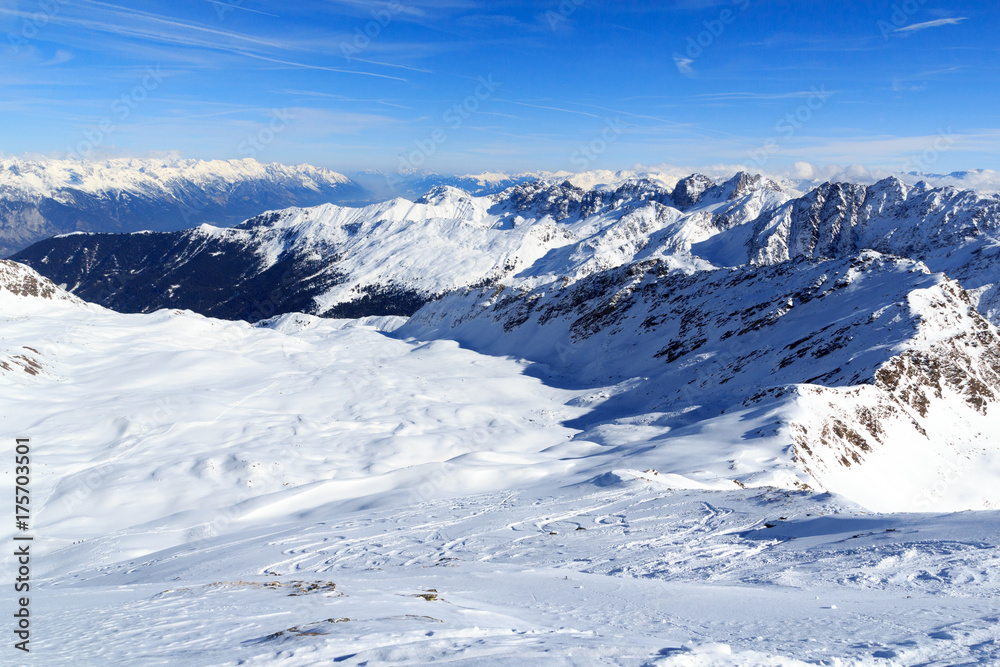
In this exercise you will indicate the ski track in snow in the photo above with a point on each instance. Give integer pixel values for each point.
(632, 575)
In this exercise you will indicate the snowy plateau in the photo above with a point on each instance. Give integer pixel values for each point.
(644, 422)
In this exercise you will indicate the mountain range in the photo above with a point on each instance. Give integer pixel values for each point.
(391, 257)
(42, 198)
(826, 341)
(325, 434)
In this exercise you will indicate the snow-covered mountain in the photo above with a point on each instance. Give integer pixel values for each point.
(635, 439)
(412, 184)
(796, 181)
(952, 231)
(866, 377)
(862, 376)
(847, 316)
(24, 293)
(41, 198)
(391, 257)
(310, 489)
(20, 286)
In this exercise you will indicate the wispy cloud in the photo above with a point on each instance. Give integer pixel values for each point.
(904, 86)
(384, 64)
(918, 82)
(342, 98)
(233, 5)
(129, 16)
(147, 27)
(61, 56)
(931, 24)
(744, 96)
(548, 108)
(658, 119)
(324, 68)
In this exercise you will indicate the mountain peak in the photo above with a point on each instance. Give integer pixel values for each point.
(642, 189)
(890, 183)
(544, 198)
(442, 194)
(688, 191)
(744, 183)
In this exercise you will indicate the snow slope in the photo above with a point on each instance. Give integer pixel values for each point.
(171, 422)
(316, 491)
(867, 377)
(627, 574)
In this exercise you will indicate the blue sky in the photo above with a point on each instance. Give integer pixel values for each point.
(463, 86)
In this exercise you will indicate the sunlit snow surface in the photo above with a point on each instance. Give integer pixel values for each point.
(321, 492)
(628, 574)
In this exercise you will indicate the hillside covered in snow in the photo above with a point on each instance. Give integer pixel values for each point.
(626, 469)
(865, 376)
(848, 335)
(349, 421)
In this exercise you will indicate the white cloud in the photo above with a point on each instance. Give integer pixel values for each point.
(931, 24)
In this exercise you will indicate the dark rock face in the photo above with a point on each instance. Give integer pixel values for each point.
(688, 191)
(839, 219)
(217, 277)
(539, 199)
